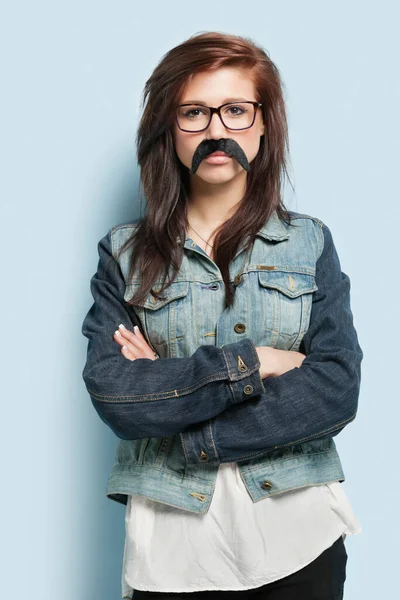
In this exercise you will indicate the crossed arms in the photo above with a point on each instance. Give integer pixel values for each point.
(230, 414)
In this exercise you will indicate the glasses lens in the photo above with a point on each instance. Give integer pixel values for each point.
(238, 115)
(195, 117)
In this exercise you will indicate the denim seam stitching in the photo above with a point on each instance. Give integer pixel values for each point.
(184, 448)
(302, 456)
(307, 217)
(212, 441)
(227, 364)
(117, 465)
(255, 355)
(321, 241)
(219, 376)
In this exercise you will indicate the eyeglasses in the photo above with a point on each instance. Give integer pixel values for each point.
(234, 115)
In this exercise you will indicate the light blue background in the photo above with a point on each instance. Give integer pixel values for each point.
(72, 78)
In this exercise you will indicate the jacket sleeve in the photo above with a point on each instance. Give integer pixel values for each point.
(156, 398)
(315, 400)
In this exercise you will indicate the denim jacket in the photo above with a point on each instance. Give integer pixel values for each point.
(204, 402)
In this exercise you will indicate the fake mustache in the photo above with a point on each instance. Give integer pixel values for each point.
(228, 146)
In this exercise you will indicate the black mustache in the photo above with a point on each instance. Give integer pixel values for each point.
(228, 146)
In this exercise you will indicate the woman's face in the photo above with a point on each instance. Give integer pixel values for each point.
(214, 88)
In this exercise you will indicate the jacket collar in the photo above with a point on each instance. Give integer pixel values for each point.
(274, 229)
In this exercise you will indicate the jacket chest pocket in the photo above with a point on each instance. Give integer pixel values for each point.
(165, 319)
(286, 298)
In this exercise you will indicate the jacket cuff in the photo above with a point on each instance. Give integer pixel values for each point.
(243, 367)
(245, 382)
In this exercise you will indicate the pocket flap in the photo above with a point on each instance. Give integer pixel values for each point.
(175, 291)
(290, 283)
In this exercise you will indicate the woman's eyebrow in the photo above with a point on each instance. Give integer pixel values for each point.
(205, 104)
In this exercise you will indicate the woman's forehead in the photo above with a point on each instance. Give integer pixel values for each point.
(226, 84)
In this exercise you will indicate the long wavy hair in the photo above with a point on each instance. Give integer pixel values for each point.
(156, 251)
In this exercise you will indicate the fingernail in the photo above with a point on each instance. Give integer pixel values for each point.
(136, 329)
(117, 332)
(121, 326)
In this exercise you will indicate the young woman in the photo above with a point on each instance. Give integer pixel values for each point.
(222, 350)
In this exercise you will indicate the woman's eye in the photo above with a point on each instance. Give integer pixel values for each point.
(236, 110)
(194, 112)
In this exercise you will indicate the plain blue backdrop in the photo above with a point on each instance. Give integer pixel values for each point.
(72, 79)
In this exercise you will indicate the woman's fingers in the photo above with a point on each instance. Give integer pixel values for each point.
(123, 335)
(135, 343)
(129, 352)
(140, 335)
(145, 346)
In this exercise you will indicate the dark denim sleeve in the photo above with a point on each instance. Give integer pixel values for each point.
(315, 400)
(156, 398)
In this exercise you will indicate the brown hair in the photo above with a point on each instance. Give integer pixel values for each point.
(165, 180)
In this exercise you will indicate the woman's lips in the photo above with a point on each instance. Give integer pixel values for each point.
(218, 158)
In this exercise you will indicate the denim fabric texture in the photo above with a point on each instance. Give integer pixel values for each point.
(203, 402)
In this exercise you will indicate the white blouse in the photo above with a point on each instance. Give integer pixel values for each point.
(237, 544)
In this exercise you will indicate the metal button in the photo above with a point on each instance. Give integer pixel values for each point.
(155, 298)
(238, 280)
(240, 328)
(266, 485)
(242, 365)
(203, 456)
(248, 389)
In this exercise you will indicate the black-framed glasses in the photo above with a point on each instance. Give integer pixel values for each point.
(234, 115)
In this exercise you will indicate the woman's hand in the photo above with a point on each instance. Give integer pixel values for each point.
(133, 345)
(275, 362)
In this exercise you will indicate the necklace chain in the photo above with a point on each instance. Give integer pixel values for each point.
(205, 241)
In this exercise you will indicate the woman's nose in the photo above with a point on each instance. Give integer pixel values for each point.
(216, 128)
